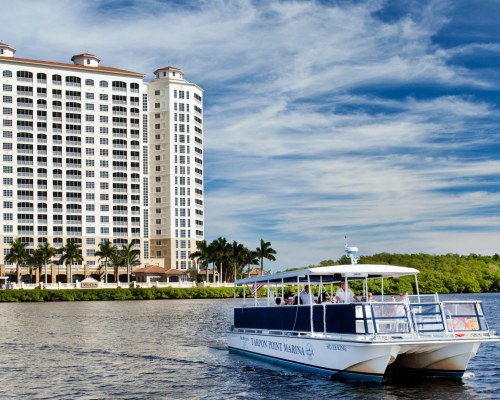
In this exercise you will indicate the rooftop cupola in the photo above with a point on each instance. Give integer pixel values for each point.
(86, 59)
(6, 50)
(169, 72)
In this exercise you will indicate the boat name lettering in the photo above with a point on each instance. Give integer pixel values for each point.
(278, 346)
(336, 347)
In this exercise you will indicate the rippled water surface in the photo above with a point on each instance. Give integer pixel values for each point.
(176, 349)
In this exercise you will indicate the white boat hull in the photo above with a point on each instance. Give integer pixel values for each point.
(355, 359)
(334, 358)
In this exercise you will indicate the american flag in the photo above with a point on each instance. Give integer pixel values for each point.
(256, 286)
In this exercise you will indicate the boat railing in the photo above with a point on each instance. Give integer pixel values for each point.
(448, 317)
(383, 318)
(423, 298)
(464, 317)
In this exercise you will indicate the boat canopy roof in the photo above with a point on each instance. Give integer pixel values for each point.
(334, 273)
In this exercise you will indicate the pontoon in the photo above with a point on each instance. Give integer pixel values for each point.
(357, 340)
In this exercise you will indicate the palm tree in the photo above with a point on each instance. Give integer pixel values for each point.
(220, 250)
(202, 255)
(250, 258)
(236, 256)
(33, 262)
(17, 256)
(130, 257)
(44, 253)
(106, 251)
(116, 261)
(71, 254)
(265, 251)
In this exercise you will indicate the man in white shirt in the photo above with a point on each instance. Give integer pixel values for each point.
(305, 296)
(345, 296)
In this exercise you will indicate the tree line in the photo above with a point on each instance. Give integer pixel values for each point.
(229, 260)
(448, 273)
(71, 253)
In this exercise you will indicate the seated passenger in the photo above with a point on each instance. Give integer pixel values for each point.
(278, 301)
(345, 296)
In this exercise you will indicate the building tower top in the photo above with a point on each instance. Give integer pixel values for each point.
(6, 50)
(86, 59)
(169, 72)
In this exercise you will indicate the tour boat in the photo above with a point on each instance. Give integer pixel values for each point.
(358, 340)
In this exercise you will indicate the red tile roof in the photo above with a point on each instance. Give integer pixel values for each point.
(75, 66)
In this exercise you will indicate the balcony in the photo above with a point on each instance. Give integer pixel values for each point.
(24, 105)
(74, 120)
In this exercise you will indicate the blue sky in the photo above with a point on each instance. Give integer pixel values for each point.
(374, 119)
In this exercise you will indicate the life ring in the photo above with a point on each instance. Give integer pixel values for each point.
(460, 324)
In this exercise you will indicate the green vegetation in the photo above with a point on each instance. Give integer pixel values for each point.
(230, 259)
(38, 295)
(449, 273)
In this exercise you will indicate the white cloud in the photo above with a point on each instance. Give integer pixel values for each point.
(304, 141)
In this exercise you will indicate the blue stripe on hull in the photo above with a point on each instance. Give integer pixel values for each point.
(331, 373)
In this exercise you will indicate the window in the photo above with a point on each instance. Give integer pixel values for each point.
(103, 107)
(89, 96)
(89, 82)
(7, 88)
(7, 74)
(103, 118)
(103, 141)
(157, 105)
(89, 106)
(103, 84)
(157, 92)
(103, 97)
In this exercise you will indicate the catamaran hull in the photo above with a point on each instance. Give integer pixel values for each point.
(359, 360)
(438, 359)
(337, 359)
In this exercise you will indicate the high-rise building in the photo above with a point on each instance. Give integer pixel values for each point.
(176, 167)
(93, 153)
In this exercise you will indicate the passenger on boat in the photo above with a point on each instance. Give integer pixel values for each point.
(345, 296)
(370, 298)
(278, 301)
(305, 297)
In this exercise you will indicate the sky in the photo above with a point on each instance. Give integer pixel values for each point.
(372, 119)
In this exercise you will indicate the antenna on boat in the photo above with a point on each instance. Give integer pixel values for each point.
(351, 252)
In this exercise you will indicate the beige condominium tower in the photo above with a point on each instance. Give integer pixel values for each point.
(176, 167)
(93, 153)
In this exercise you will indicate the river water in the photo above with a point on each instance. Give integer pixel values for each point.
(175, 349)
